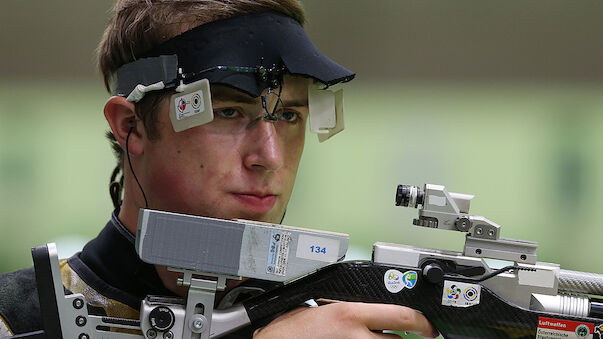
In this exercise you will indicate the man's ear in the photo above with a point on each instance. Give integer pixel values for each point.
(121, 116)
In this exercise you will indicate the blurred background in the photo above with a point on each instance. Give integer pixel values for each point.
(503, 100)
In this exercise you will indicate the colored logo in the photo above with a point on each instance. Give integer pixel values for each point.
(182, 104)
(582, 331)
(409, 279)
(470, 293)
(196, 101)
(395, 281)
(453, 292)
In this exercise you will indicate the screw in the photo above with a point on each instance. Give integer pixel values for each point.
(168, 335)
(78, 303)
(478, 251)
(478, 231)
(151, 333)
(523, 257)
(80, 321)
(491, 232)
(197, 324)
(83, 336)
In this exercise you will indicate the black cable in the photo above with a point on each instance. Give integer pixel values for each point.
(502, 270)
(115, 187)
(146, 203)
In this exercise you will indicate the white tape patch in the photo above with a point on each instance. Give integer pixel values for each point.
(317, 248)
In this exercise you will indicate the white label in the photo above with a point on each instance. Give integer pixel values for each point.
(189, 104)
(395, 281)
(317, 248)
(550, 328)
(460, 294)
(278, 253)
(438, 201)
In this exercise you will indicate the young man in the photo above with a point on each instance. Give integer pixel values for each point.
(236, 159)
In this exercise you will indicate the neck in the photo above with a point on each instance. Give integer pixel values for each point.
(128, 215)
(132, 202)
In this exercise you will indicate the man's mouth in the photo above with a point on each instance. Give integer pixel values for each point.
(256, 202)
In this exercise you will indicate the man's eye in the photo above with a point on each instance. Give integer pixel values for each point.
(227, 113)
(289, 116)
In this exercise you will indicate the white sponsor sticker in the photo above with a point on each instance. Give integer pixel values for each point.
(189, 104)
(317, 248)
(460, 294)
(278, 252)
(395, 281)
(550, 328)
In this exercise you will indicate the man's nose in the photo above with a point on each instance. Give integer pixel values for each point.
(263, 148)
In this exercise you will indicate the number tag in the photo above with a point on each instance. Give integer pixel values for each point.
(316, 248)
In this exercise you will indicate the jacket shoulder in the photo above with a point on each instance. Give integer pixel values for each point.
(19, 303)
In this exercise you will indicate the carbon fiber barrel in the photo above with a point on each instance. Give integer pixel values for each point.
(581, 282)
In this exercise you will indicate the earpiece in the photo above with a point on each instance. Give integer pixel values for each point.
(131, 124)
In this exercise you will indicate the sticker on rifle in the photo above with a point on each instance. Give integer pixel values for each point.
(395, 281)
(278, 252)
(549, 328)
(460, 294)
(317, 248)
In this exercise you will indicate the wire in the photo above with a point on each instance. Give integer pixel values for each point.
(115, 187)
(502, 270)
(146, 203)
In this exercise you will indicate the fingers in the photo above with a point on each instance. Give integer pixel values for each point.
(394, 317)
(347, 320)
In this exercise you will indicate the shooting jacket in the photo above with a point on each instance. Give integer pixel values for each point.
(109, 274)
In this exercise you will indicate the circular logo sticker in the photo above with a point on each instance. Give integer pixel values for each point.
(470, 293)
(582, 331)
(196, 101)
(393, 281)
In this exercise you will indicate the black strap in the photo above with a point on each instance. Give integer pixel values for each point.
(48, 302)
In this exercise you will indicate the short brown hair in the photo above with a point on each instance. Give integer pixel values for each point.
(139, 25)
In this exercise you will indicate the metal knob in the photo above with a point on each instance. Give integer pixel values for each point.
(433, 273)
(161, 318)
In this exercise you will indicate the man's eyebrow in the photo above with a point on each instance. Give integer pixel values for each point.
(221, 93)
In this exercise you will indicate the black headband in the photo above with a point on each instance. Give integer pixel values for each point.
(268, 39)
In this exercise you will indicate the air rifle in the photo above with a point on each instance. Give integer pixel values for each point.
(466, 295)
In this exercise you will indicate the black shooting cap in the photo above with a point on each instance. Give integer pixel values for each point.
(264, 39)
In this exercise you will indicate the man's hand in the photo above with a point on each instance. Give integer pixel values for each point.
(347, 320)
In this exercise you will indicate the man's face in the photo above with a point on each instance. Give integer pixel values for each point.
(229, 168)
